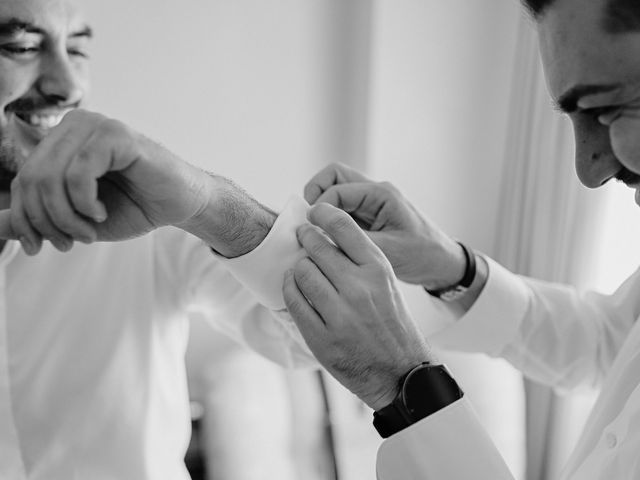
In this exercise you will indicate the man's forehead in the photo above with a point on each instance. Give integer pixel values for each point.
(51, 16)
(576, 51)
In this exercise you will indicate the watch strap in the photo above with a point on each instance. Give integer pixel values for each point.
(453, 292)
(440, 390)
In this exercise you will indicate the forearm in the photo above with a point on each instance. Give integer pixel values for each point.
(231, 222)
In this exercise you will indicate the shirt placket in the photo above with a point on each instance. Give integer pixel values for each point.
(11, 462)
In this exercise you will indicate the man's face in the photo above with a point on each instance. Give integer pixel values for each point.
(43, 72)
(594, 76)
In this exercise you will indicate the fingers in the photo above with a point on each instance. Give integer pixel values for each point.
(307, 319)
(362, 200)
(30, 239)
(316, 288)
(81, 179)
(333, 174)
(344, 231)
(56, 190)
(38, 218)
(328, 258)
(6, 230)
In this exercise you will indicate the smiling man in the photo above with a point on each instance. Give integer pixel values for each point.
(347, 306)
(35, 97)
(92, 377)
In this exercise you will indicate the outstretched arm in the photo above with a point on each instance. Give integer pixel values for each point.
(95, 179)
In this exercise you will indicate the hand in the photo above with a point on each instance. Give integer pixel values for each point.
(419, 252)
(345, 300)
(95, 179)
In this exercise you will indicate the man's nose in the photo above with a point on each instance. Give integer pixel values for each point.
(59, 81)
(595, 161)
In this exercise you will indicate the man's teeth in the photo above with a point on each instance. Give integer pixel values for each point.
(45, 121)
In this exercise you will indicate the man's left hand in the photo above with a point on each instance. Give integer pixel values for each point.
(344, 298)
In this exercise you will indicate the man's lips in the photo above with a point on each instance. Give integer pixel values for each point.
(43, 120)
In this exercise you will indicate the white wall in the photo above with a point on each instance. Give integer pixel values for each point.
(245, 88)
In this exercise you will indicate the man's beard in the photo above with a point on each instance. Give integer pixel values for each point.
(8, 161)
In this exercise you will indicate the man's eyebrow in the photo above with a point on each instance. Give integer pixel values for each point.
(568, 102)
(14, 26)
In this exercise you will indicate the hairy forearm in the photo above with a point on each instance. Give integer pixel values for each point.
(231, 222)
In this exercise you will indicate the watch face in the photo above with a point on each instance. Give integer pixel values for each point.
(427, 389)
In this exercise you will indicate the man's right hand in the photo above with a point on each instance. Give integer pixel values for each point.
(95, 179)
(419, 252)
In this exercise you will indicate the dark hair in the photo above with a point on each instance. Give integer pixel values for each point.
(536, 7)
(620, 16)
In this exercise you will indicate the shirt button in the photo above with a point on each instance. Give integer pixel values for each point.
(610, 440)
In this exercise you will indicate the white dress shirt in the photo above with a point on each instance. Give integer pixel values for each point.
(555, 335)
(92, 376)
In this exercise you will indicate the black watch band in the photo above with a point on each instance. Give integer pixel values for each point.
(453, 292)
(424, 390)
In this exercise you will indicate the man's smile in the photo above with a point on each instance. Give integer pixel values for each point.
(38, 123)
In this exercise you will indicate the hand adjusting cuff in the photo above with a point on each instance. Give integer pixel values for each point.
(454, 292)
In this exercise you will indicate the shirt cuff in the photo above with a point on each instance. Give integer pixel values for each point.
(493, 320)
(262, 270)
(449, 444)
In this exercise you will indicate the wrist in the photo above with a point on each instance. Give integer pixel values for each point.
(230, 221)
(450, 267)
(423, 390)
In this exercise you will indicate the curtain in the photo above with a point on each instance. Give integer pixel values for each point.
(545, 230)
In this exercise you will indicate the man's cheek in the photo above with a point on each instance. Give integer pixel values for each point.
(625, 142)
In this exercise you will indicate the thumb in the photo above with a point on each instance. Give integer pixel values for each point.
(6, 231)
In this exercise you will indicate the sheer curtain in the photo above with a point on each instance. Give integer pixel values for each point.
(546, 230)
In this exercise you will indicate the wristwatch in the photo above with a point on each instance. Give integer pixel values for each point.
(424, 390)
(454, 292)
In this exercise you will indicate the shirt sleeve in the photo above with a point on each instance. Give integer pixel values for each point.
(191, 278)
(553, 333)
(262, 270)
(450, 444)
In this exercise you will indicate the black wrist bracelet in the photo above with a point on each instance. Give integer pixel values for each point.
(453, 292)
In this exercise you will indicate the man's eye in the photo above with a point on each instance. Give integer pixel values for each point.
(76, 52)
(19, 50)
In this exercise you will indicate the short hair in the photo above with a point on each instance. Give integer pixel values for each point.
(620, 16)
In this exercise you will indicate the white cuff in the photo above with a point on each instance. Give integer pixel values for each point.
(450, 444)
(261, 271)
(493, 320)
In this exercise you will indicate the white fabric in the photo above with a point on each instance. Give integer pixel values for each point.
(556, 335)
(262, 270)
(92, 378)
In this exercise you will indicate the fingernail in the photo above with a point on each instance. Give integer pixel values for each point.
(26, 246)
(101, 214)
(62, 244)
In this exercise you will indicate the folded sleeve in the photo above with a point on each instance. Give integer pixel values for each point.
(262, 270)
(555, 334)
(241, 297)
(450, 444)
